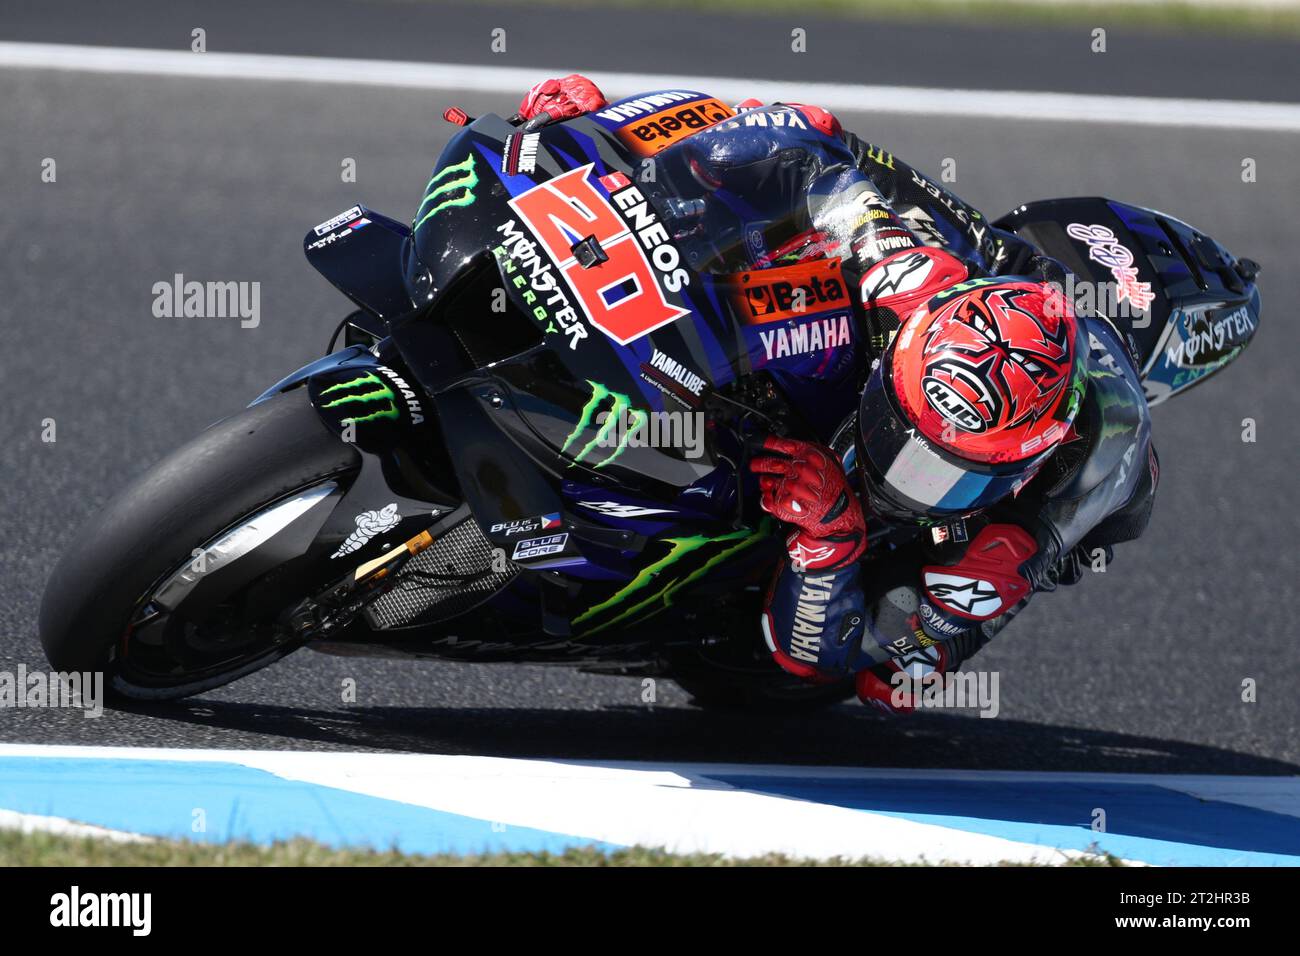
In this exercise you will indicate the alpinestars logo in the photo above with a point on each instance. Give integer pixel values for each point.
(802, 557)
(969, 595)
(619, 408)
(450, 187)
(367, 390)
(369, 524)
(896, 276)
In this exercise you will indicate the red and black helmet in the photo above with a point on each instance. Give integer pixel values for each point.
(976, 390)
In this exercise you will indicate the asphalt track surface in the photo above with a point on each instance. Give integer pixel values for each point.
(1137, 669)
(998, 55)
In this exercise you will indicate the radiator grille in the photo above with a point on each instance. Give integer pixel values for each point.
(462, 549)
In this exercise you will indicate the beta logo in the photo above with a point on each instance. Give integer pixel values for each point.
(790, 292)
(654, 133)
(625, 294)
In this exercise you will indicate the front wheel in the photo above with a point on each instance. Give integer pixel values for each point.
(100, 610)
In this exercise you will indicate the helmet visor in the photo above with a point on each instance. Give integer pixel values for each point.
(909, 478)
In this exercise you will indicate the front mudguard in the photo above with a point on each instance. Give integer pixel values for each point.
(365, 400)
(364, 396)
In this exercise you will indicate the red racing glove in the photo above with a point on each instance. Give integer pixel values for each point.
(803, 485)
(562, 99)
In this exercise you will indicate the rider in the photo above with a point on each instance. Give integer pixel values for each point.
(1001, 445)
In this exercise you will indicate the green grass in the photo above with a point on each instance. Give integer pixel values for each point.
(45, 849)
(1164, 16)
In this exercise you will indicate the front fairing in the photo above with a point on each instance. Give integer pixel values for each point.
(644, 335)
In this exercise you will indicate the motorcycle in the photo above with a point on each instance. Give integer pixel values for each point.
(531, 446)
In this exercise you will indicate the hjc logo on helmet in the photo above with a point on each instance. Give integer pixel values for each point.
(998, 357)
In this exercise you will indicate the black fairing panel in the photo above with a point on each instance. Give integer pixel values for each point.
(360, 253)
(1204, 307)
(1113, 416)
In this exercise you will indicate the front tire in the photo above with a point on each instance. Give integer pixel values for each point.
(230, 471)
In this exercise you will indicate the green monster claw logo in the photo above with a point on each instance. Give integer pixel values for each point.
(448, 180)
(880, 157)
(967, 286)
(618, 411)
(662, 597)
(378, 392)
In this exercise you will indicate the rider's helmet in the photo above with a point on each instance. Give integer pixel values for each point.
(977, 389)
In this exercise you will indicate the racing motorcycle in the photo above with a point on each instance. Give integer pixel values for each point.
(474, 475)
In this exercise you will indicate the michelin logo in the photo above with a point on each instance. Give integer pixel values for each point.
(369, 524)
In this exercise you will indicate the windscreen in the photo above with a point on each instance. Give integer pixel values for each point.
(733, 200)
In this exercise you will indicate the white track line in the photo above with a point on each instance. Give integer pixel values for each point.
(510, 81)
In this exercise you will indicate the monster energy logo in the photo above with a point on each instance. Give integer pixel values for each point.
(616, 425)
(376, 390)
(880, 157)
(966, 286)
(661, 597)
(455, 183)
